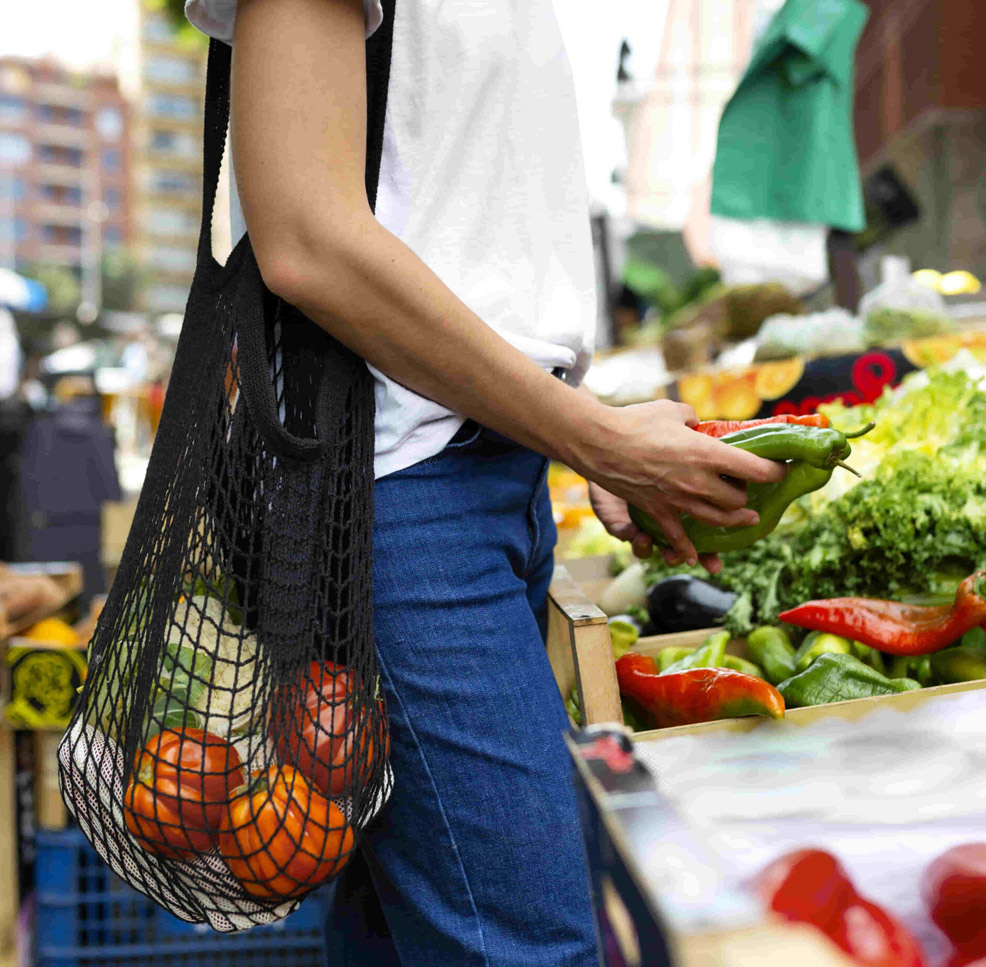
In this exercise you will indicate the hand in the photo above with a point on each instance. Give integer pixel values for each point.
(650, 456)
(612, 512)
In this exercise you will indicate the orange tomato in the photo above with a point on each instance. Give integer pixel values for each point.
(280, 837)
(179, 789)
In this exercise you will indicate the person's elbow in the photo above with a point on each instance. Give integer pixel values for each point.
(300, 253)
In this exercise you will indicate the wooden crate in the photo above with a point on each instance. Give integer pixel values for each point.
(589, 662)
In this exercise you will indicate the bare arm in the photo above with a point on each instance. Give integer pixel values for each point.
(298, 139)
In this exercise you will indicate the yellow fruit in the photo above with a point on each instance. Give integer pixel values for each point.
(52, 630)
(775, 379)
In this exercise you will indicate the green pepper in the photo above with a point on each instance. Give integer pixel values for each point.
(624, 636)
(869, 655)
(975, 638)
(630, 720)
(960, 663)
(819, 643)
(838, 678)
(772, 649)
(812, 453)
(917, 667)
(738, 664)
(666, 658)
(708, 655)
(573, 708)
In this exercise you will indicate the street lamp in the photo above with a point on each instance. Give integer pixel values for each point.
(96, 213)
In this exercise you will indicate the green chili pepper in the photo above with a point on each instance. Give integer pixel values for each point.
(738, 664)
(870, 656)
(666, 658)
(708, 655)
(812, 453)
(819, 643)
(623, 635)
(772, 648)
(838, 678)
(961, 663)
(917, 667)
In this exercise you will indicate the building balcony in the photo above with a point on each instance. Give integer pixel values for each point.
(61, 174)
(60, 214)
(60, 254)
(64, 95)
(70, 135)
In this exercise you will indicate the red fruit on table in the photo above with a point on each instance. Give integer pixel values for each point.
(954, 890)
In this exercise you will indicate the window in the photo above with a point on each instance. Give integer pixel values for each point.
(112, 236)
(109, 123)
(172, 106)
(61, 194)
(111, 160)
(113, 198)
(170, 70)
(46, 112)
(174, 142)
(61, 234)
(157, 28)
(56, 154)
(13, 229)
(14, 148)
(173, 182)
(11, 187)
(12, 107)
(170, 221)
(172, 258)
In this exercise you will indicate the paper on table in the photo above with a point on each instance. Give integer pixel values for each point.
(886, 793)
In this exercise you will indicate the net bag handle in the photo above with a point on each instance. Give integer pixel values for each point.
(253, 299)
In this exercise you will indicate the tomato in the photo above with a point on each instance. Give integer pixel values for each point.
(334, 736)
(811, 886)
(875, 938)
(808, 886)
(962, 958)
(179, 789)
(954, 891)
(280, 837)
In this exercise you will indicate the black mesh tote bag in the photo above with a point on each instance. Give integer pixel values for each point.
(230, 739)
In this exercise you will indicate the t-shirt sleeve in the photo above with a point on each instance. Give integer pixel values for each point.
(216, 17)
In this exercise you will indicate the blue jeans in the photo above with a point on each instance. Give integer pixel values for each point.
(477, 861)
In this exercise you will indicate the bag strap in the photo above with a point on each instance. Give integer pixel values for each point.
(378, 57)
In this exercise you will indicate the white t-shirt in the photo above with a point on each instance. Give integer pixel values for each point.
(482, 177)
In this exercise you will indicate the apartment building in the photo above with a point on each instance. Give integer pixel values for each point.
(65, 157)
(167, 144)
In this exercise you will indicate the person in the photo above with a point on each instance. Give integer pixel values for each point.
(470, 295)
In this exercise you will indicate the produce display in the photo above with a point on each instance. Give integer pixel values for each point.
(866, 586)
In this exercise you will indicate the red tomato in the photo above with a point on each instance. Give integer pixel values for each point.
(334, 737)
(954, 890)
(875, 938)
(808, 886)
(962, 958)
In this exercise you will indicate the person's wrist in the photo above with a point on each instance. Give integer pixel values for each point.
(591, 436)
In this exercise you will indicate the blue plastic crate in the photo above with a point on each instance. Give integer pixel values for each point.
(85, 916)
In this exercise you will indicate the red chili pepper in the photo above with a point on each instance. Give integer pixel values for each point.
(894, 627)
(954, 890)
(811, 886)
(718, 428)
(695, 695)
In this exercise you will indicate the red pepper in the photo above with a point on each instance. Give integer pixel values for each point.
(695, 695)
(894, 627)
(718, 428)
(811, 886)
(954, 891)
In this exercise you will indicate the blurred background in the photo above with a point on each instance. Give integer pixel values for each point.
(776, 224)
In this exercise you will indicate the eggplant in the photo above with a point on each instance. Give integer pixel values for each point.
(685, 603)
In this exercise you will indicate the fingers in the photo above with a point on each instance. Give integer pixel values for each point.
(672, 528)
(715, 516)
(734, 462)
(710, 562)
(642, 546)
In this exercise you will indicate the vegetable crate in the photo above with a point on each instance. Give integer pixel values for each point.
(581, 655)
(85, 916)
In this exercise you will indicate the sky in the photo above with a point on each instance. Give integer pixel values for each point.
(72, 31)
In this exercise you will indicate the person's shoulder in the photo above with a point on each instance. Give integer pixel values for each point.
(216, 18)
